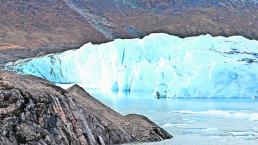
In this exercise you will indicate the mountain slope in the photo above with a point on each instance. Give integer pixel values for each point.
(50, 26)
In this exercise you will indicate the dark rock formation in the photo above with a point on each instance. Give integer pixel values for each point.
(33, 111)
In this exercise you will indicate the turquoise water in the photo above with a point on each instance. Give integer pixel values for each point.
(145, 101)
(201, 121)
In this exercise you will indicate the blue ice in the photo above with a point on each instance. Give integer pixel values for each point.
(201, 66)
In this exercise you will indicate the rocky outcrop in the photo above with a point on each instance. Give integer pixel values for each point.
(33, 111)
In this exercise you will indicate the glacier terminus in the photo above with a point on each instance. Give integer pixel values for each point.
(170, 66)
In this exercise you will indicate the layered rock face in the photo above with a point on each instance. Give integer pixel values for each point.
(33, 111)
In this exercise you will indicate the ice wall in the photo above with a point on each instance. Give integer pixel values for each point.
(202, 66)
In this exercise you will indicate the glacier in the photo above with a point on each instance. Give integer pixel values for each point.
(167, 65)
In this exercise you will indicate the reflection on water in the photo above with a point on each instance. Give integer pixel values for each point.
(217, 120)
(145, 101)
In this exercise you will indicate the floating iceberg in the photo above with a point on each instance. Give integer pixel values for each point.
(202, 66)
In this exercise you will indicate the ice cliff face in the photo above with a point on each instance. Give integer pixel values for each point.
(202, 66)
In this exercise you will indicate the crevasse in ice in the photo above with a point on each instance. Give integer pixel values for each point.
(201, 66)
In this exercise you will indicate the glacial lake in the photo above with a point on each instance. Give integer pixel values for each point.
(216, 79)
(192, 121)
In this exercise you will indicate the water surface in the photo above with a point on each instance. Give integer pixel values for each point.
(199, 121)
